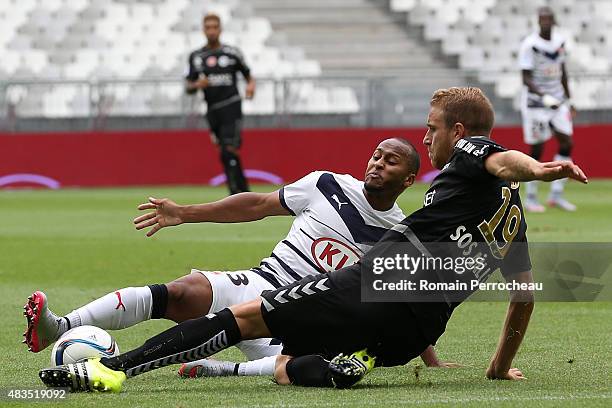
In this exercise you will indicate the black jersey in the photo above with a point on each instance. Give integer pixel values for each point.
(474, 214)
(467, 211)
(220, 66)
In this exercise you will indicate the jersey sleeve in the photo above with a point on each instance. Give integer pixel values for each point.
(526, 56)
(295, 197)
(470, 156)
(191, 74)
(241, 64)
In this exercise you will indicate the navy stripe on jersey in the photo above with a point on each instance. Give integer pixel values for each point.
(305, 233)
(281, 197)
(302, 255)
(337, 232)
(361, 232)
(550, 55)
(268, 266)
(287, 268)
(267, 276)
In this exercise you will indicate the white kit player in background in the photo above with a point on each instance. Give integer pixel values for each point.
(546, 107)
(337, 219)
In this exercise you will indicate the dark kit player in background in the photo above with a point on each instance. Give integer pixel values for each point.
(213, 69)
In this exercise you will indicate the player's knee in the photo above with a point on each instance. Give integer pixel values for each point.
(250, 320)
(309, 371)
(176, 291)
(226, 155)
(231, 149)
(188, 297)
(280, 370)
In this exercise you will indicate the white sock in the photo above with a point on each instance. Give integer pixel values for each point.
(117, 310)
(532, 190)
(557, 186)
(263, 366)
(215, 368)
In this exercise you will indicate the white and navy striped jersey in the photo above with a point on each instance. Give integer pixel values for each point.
(545, 59)
(334, 226)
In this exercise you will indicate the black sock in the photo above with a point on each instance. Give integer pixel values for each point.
(236, 181)
(536, 151)
(188, 341)
(565, 151)
(309, 371)
(159, 294)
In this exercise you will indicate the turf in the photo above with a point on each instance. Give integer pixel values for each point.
(80, 244)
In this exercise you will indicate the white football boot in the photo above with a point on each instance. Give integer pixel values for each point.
(43, 325)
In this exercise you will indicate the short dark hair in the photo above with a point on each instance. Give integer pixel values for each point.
(468, 106)
(212, 16)
(413, 156)
(545, 11)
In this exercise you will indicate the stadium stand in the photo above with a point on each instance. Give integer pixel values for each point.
(105, 40)
(371, 60)
(485, 36)
(363, 41)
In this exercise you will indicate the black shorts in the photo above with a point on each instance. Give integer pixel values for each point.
(323, 314)
(226, 123)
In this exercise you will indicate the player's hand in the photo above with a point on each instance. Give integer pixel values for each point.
(550, 101)
(555, 170)
(166, 214)
(202, 83)
(511, 374)
(573, 112)
(250, 90)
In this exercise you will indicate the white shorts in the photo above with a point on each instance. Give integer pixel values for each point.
(539, 122)
(231, 288)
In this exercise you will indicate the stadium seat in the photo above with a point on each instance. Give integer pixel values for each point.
(402, 5)
(486, 36)
(436, 30)
(136, 39)
(472, 58)
(455, 43)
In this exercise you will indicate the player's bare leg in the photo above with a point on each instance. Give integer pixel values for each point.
(189, 296)
(556, 199)
(280, 370)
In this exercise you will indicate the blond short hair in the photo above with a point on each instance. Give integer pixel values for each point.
(468, 106)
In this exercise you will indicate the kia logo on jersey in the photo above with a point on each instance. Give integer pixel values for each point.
(331, 254)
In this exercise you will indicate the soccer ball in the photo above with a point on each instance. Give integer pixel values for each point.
(81, 343)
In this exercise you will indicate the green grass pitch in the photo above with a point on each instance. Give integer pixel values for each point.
(77, 245)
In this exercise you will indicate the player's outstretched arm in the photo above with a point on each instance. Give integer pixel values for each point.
(513, 165)
(241, 207)
(513, 332)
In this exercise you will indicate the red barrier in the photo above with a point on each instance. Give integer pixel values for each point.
(269, 155)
